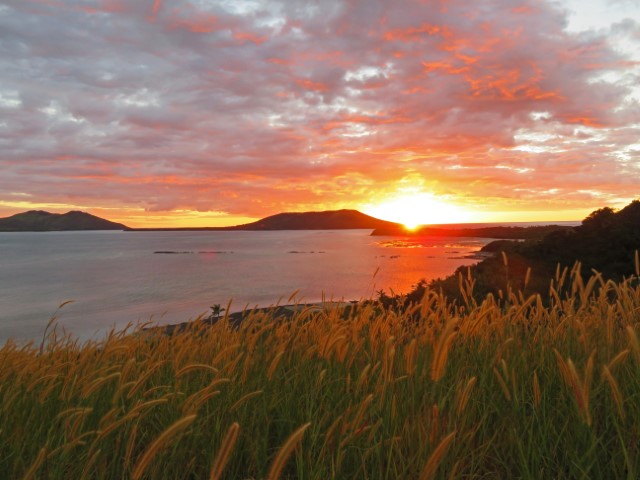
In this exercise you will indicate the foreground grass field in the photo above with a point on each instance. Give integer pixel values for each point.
(518, 387)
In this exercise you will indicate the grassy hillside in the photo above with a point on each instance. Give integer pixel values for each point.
(508, 388)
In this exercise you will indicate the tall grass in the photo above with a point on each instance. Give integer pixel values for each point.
(518, 387)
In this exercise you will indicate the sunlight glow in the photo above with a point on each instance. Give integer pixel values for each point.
(417, 209)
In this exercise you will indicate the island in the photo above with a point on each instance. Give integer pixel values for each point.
(41, 221)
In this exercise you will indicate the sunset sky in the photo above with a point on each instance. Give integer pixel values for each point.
(219, 112)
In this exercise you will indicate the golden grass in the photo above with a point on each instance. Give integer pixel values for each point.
(483, 389)
(285, 451)
(158, 444)
(224, 452)
(33, 469)
(429, 471)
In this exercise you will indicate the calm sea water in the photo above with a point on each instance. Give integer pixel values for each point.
(118, 277)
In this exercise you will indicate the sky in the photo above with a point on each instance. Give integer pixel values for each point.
(219, 112)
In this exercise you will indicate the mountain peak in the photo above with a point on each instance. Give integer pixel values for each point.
(36, 212)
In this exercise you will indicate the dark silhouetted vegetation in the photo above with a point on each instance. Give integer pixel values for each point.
(606, 242)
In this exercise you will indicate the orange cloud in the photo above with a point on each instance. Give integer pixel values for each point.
(252, 108)
(412, 34)
(310, 85)
(196, 25)
(248, 36)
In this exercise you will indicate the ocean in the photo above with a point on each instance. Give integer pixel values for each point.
(115, 278)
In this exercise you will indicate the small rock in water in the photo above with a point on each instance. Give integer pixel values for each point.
(171, 252)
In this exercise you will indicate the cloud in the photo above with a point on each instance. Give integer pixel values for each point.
(255, 107)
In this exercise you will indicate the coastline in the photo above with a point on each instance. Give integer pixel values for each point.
(275, 312)
(115, 278)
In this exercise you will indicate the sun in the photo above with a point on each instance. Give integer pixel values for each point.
(413, 210)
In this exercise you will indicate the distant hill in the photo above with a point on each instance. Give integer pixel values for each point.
(41, 221)
(327, 220)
